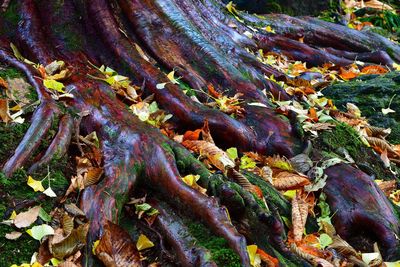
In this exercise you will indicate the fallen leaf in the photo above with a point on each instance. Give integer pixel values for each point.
(144, 243)
(299, 216)
(289, 181)
(172, 78)
(215, 155)
(49, 192)
(13, 235)
(40, 231)
(25, 219)
(4, 111)
(374, 69)
(116, 248)
(36, 185)
(255, 259)
(54, 85)
(71, 244)
(191, 180)
(386, 111)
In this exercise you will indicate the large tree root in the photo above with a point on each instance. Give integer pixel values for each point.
(134, 153)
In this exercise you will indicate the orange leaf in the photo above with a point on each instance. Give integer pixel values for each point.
(3, 83)
(4, 112)
(192, 135)
(42, 71)
(265, 257)
(212, 91)
(374, 69)
(347, 74)
(312, 114)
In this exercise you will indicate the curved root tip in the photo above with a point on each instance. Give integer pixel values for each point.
(60, 143)
(41, 123)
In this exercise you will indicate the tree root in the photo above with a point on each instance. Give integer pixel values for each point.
(134, 152)
(371, 214)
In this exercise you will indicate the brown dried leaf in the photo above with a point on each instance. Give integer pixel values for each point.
(25, 219)
(71, 244)
(116, 248)
(299, 216)
(240, 179)
(4, 111)
(380, 144)
(343, 247)
(387, 186)
(206, 134)
(374, 131)
(288, 181)
(74, 210)
(67, 224)
(216, 156)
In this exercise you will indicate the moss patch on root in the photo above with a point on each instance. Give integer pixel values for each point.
(372, 93)
(218, 246)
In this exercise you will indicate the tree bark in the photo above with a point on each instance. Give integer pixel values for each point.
(193, 38)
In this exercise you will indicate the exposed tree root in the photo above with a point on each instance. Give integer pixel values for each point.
(135, 153)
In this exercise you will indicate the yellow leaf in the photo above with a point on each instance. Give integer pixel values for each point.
(13, 215)
(37, 264)
(269, 29)
(191, 180)
(143, 243)
(172, 78)
(396, 66)
(36, 185)
(95, 244)
(54, 85)
(255, 259)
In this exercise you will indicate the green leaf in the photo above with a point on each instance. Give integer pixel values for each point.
(247, 163)
(39, 231)
(232, 153)
(44, 215)
(325, 240)
(54, 85)
(143, 207)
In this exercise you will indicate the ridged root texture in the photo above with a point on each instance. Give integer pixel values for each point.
(135, 152)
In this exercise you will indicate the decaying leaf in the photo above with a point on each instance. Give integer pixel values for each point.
(4, 111)
(279, 162)
(25, 219)
(116, 248)
(379, 132)
(380, 144)
(71, 244)
(301, 163)
(216, 156)
(299, 216)
(287, 181)
(343, 247)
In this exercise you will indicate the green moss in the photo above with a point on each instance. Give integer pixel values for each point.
(220, 251)
(10, 18)
(10, 73)
(343, 136)
(10, 136)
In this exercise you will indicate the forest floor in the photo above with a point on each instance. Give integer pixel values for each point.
(351, 113)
